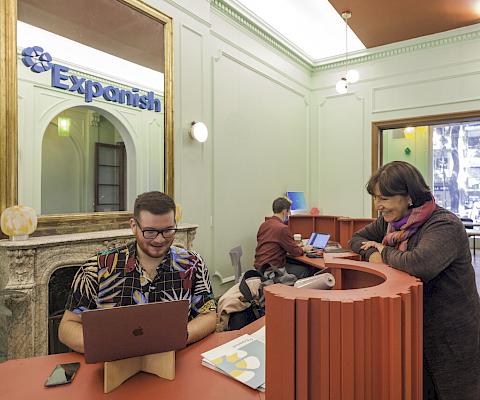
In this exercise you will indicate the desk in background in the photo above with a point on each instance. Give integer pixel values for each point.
(23, 379)
(340, 229)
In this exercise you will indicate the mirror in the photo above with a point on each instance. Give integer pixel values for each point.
(92, 125)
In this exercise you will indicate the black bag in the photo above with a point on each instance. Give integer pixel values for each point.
(256, 310)
(240, 319)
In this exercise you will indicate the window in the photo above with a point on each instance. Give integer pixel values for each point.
(447, 155)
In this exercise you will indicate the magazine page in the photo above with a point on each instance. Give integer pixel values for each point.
(260, 334)
(242, 358)
(244, 362)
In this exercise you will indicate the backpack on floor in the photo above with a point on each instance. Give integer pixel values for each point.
(255, 301)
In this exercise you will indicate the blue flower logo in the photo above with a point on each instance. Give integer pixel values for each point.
(36, 59)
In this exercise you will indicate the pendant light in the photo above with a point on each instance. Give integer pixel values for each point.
(351, 76)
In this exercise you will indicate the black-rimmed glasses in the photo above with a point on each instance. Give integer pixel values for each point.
(149, 233)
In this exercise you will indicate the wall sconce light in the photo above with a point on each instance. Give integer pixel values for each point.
(63, 126)
(199, 131)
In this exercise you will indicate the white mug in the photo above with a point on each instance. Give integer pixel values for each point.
(297, 237)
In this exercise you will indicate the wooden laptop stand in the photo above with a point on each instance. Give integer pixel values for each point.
(117, 372)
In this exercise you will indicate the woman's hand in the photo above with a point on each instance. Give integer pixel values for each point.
(371, 243)
(375, 258)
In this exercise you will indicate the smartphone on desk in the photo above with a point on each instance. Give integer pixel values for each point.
(62, 374)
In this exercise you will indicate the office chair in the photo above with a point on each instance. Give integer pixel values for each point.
(235, 256)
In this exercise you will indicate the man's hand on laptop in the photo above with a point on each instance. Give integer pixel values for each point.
(306, 249)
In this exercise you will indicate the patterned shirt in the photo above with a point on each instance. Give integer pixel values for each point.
(115, 278)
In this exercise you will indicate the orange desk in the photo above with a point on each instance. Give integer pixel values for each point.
(313, 262)
(23, 379)
(344, 278)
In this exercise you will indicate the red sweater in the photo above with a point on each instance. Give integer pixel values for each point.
(274, 241)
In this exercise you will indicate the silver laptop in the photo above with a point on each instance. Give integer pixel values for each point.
(131, 331)
(318, 240)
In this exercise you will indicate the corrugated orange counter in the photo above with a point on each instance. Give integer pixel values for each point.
(361, 341)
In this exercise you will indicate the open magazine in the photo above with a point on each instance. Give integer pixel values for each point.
(242, 358)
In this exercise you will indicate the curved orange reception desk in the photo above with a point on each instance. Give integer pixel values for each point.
(362, 340)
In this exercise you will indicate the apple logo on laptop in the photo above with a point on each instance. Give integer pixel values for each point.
(138, 331)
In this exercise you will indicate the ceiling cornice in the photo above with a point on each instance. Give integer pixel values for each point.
(267, 34)
(407, 46)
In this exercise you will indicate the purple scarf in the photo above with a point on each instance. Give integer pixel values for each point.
(398, 232)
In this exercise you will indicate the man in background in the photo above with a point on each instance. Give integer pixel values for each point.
(148, 270)
(274, 242)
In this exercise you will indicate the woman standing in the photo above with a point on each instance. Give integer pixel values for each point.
(415, 235)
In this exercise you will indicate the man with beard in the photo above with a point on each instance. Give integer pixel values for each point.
(147, 270)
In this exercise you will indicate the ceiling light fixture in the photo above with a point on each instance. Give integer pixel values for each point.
(351, 76)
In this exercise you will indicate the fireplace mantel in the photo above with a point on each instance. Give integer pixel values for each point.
(26, 266)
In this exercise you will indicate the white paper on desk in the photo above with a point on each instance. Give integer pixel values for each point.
(232, 344)
(244, 362)
(210, 365)
(260, 334)
(254, 344)
(235, 343)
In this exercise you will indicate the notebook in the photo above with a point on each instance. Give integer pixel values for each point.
(242, 358)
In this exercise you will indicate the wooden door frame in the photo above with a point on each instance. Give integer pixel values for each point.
(379, 126)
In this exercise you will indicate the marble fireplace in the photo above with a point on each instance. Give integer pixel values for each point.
(27, 266)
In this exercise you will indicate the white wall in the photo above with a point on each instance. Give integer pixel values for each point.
(255, 103)
(408, 79)
(62, 174)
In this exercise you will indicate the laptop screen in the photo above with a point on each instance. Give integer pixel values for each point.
(318, 240)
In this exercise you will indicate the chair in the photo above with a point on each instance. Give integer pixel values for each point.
(471, 232)
(235, 256)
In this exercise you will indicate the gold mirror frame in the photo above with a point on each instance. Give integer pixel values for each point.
(67, 223)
